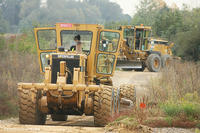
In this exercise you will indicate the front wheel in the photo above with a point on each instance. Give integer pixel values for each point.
(166, 60)
(105, 106)
(29, 112)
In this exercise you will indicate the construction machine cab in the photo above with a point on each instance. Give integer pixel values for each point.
(136, 37)
(99, 46)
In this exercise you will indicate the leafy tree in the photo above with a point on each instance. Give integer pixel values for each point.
(3, 24)
(188, 40)
(10, 10)
(167, 23)
(188, 44)
(96, 11)
(110, 11)
(145, 13)
(179, 26)
(28, 6)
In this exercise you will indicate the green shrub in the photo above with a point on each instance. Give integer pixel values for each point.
(191, 110)
(169, 120)
(186, 109)
(24, 43)
(171, 109)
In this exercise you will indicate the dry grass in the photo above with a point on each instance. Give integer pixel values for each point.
(176, 81)
(16, 65)
(177, 91)
(173, 99)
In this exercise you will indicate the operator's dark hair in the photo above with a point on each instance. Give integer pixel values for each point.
(77, 37)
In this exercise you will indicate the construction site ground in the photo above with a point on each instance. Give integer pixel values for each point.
(84, 124)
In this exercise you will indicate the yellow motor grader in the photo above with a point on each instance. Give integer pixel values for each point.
(139, 50)
(75, 82)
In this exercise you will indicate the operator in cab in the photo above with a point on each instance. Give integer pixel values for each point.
(78, 46)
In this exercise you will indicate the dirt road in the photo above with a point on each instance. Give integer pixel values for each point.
(78, 124)
(139, 79)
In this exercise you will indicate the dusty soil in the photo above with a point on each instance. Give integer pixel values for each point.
(84, 124)
(139, 79)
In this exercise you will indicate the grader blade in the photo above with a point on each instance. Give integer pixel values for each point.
(128, 64)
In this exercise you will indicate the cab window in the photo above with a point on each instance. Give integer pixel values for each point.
(164, 43)
(105, 63)
(47, 39)
(108, 41)
(129, 37)
(68, 41)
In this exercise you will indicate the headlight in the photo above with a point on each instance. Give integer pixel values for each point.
(47, 56)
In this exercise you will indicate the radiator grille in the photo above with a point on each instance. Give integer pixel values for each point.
(71, 63)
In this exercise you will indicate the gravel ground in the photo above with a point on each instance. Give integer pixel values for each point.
(173, 130)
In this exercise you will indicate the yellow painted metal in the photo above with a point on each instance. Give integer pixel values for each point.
(64, 87)
(116, 53)
(37, 43)
(62, 68)
(161, 47)
(43, 105)
(83, 76)
(134, 54)
(76, 76)
(94, 28)
(47, 75)
(62, 75)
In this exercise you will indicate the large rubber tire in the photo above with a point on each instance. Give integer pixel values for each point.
(166, 60)
(104, 106)
(154, 63)
(128, 92)
(56, 117)
(29, 112)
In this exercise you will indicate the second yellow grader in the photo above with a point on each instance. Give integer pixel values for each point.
(140, 51)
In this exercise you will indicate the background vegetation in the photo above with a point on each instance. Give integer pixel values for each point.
(172, 100)
(19, 63)
(179, 26)
(177, 92)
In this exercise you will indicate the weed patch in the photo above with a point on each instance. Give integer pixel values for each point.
(18, 63)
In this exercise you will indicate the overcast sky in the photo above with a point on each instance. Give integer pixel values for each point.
(129, 6)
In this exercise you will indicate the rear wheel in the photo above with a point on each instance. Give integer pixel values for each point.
(56, 117)
(128, 92)
(166, 60)
(29, 112)
(154, 63)
(105, 106)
